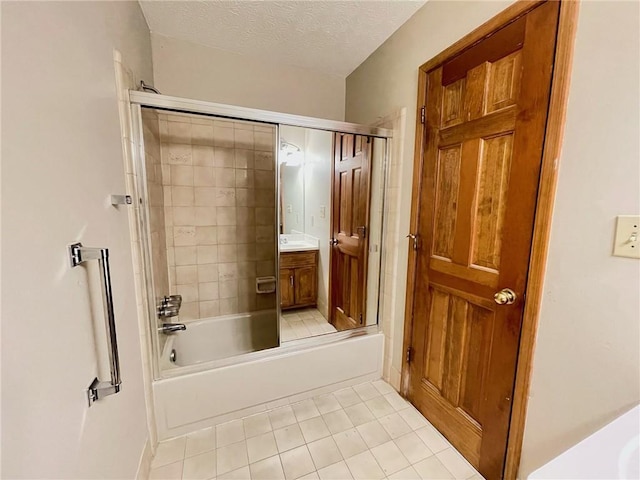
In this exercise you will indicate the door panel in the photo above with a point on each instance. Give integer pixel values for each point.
(286, 287)
(305, 285)
(485, 118)
(490, 204)
(351, 196)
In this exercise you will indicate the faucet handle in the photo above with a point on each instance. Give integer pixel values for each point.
(167, 311)
(172, 300)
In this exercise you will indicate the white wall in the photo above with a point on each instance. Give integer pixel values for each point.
(318, 158)
(61, 159)
(586, 368)
(190, 70)
(587, 361)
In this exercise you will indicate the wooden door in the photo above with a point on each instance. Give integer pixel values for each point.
(350, 223)
(486, 111)
(306, 285)
(287, 297)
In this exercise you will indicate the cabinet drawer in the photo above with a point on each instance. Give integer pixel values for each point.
(297, 259)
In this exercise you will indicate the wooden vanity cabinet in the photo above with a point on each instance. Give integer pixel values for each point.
(298, 279)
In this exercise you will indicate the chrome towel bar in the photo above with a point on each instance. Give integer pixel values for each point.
(78, 255)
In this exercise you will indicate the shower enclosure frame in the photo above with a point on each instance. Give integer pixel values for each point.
(139, 100)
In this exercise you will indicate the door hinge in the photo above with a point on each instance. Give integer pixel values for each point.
(422, 114)
(408, 354)
(360, 319)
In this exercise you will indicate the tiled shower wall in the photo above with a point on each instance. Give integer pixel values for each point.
(153, 165)
(218, 182)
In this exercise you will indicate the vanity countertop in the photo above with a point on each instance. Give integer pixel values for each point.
(297, 247)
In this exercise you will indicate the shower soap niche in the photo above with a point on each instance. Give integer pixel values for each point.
(265, 285)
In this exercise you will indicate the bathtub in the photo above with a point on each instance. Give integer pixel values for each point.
(221, 337)
(199, 391)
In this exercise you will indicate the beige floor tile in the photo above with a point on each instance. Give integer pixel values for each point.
(288, 437)
(380, 407)
(305, 410)
(350, 443)
(297, 462)
(241, 473)
(347, 397)
(413, 418)
(337, 471)
(169, 451)
(327, 403)
(231, 457)
(200, 442)
(359, 414)
(413, 448)
(200, 467)
(366, 391)
(314, 429)
(230, 432)
(397, 401)
(383, 387)
(456, 463)
(324, 452)
(256, 425)
(432, 469)
(337, 421)
(267, 469)
(389, 457)
(261, 447)
(373, 434)
(394, 425)
(310, 476)
(364, 467)
(172, 471)
(282, 417)
(408, 473)
(432, 438)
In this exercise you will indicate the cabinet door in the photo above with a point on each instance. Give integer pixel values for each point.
(286, 287)
(305, 285)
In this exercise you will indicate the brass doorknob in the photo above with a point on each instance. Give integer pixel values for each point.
(506, 296)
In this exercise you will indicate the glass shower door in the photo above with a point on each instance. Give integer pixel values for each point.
(210, 204)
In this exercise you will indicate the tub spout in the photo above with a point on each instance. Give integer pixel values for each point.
(168, 328)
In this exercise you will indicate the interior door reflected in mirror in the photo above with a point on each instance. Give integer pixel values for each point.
(329, 254)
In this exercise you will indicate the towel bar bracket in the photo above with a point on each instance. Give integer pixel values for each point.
(98, 390)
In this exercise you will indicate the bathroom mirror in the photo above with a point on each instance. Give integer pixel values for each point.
(330, 209)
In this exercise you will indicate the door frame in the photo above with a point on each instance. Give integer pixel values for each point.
(554, 132)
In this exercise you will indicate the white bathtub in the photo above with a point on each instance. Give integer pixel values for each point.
(221, 337)
(204, 394)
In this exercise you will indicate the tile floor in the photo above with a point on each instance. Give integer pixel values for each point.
(303, 323)
(363, 432)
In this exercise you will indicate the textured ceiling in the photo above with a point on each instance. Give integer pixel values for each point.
(327, 36)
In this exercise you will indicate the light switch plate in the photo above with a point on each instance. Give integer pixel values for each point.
(627, 239)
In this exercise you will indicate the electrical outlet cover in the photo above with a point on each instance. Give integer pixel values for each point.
(627, 238)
